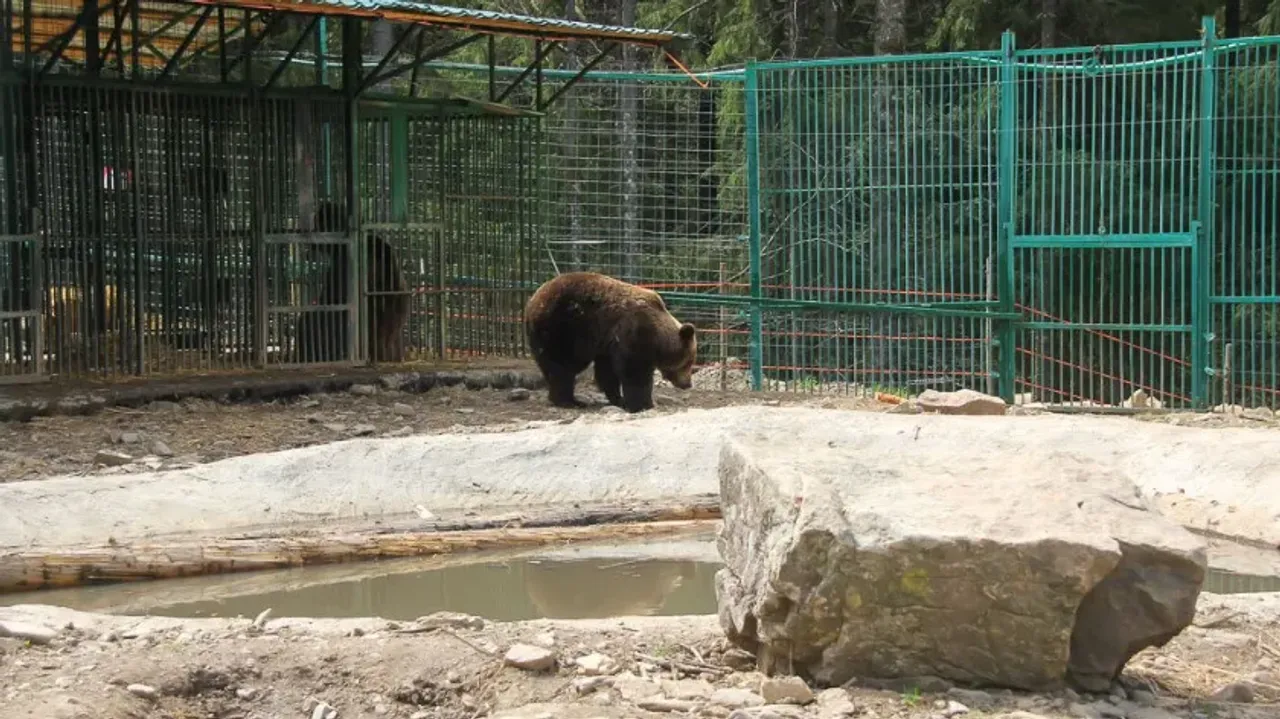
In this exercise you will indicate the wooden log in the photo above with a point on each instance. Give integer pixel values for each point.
(187, 556)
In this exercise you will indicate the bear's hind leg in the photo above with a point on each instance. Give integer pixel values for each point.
(607, 380)
(560, 382)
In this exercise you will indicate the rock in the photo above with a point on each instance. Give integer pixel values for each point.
(335, 427)
(1084, 711)
(658, 704)
(323, 711)
(1142, 697)
(111, 458)
(633, 688)
(908, 407)
(1108, 710)
(1019, 715)
(452, 620)
(530, 658)
(34, 633)
(1151, 713)
(260, 621)
(403, 410)
(1141, 399)
(964, 401)
(833, 703)
(519, 394)
(247, 693)
(689, 689)
(596, 664)
(1048, 570)
(545, 639)
(735, 698)
(1236, 693)
(130, 437)
(953, 708)
(160, 449)
(363, 390)
(785, 690)
(363, 430)
(738, 659)
(974, 698)
(143, 691)
(770, 711)
(586, 685)
(1259, 413)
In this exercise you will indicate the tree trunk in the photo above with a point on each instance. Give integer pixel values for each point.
(629, 108)
(889, 242)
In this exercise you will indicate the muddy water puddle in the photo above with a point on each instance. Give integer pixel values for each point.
(664, 577)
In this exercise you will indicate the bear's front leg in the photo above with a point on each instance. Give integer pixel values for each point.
(637, 391)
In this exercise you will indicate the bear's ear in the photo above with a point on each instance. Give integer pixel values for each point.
(686, 332)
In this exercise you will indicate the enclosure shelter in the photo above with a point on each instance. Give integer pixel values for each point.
(216, 186)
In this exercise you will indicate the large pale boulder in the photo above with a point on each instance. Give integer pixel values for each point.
(892, 553)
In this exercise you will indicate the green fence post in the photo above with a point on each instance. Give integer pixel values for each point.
(399, 165)
(1007, 176)
(1202, 249)
(756, 341)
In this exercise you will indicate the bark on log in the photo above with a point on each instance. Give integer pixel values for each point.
(187, 556)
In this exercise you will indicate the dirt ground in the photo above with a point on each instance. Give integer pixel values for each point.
(453, 667)
(165, 434)
(168, 434)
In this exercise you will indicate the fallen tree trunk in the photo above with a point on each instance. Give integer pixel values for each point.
(187, 556)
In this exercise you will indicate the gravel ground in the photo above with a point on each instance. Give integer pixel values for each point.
(455, 667)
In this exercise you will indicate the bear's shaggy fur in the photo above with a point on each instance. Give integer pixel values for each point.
(580, 318)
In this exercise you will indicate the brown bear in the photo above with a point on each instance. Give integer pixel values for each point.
(580, 318)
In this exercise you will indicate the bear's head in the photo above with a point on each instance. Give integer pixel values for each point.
(677, 368)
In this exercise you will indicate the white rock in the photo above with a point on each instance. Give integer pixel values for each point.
(736, 698)
(260, 621)
(1015, 548)
(34, 633)
(964, 401)
(247, 693)
(143, 691)
(111, 458)
(545, 639)
(661, 704)
(835, 703)
(687, 689)
(586, 685)
(529, 657)
(954, 708)
(323, 711)
(596, 664)
(785, 690)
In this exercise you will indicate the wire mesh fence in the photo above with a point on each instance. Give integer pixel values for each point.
(1066, 226)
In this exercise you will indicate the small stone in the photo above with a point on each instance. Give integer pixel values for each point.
(519, 394)
(545, 639)
(586, 685)
(1259, 413)
(975, 698)
(130, 438)
(833, 703)
(335, 427)
(381, 709)
(785, 690)
(34, 633)
(1142, 697)
(738, 659)
(687, 689)
(736, 698)
(62, 682)
(1235, 693)
(142, 691)
(420, 715)
(1108, 710)
(658, 704)
(363, 430)
(1151, 713)
(1019, 715)
(465, 410)
(164, 406)
(596, 664)
(363, 390)
(399, 432)
(247, 693)
(403, 409)
(260, 621)
(530, 658)
(954, 708)
(160, 449)
(452, 620)
(111, 458)
(632, 688)
(1084, 711)
(1265, 664)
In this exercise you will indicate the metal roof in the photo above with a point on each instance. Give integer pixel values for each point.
(485, 21)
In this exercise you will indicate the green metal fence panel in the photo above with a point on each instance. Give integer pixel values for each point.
(1245, 299)
(21, 286)
(1106, 225)
(877, 203)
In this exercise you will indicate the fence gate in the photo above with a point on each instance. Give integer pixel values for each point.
(21, 303)
(1109, 282)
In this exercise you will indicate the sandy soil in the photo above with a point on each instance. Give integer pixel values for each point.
(452, 666)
